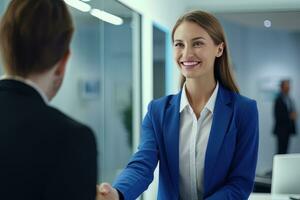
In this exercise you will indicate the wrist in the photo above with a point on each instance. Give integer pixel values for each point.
(120, 195)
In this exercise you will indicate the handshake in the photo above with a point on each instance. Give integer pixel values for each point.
(106, 192)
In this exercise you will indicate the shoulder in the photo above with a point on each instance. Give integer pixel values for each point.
(68, 126)
(165, 100)
(241, 101)
(245, 108)
(161, 104)
(233, 99)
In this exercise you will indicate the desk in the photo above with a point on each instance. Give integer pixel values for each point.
(265, 196)
(262, 184)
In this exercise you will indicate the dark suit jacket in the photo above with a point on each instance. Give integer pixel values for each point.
(44, 155)
(283, 123)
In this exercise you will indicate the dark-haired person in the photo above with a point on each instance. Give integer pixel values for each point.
(285, 117)
(44, 154)
(206, 136)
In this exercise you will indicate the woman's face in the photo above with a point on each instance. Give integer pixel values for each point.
(195, 51)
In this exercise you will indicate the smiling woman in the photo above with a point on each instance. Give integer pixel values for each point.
(207, 37)
(206, 136)
(195, 51)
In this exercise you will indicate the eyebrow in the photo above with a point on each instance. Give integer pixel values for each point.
(196, 38)
(177, 40)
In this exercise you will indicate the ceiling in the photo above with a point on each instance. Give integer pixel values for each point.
(111, 6)
(287, 21)
(244, 5)
(284, 14)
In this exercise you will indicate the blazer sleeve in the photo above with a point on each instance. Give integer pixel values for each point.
(75, 175)
(240, 181)
(138, 174)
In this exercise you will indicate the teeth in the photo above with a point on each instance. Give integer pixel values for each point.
(190, 63)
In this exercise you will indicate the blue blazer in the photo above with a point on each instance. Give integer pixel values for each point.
(231, 154)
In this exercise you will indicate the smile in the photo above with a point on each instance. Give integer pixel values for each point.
(190, 64)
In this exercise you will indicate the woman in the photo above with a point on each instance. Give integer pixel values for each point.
(206, 136)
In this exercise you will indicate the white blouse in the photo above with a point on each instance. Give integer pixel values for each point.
(193, 139)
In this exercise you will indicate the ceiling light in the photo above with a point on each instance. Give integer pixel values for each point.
(84, 7)
(105, 16)
(267, 23)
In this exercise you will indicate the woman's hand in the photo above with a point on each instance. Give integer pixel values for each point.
(106, 192)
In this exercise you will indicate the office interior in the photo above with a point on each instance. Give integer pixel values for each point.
(117, 67)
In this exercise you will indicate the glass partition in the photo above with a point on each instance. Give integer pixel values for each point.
(100, 88)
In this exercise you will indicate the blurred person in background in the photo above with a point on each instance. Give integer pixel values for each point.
(285, 117)
(44, 154)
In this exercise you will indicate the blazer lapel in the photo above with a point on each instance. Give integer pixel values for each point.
(221, 118)
(171, 139)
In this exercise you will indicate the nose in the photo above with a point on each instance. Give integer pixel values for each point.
(188, 53)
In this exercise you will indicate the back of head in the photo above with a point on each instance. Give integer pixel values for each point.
(34, 35)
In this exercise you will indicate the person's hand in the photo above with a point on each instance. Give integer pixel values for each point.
(293, 115)
(106, 192)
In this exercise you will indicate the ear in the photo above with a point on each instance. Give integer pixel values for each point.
(220, 49)
(62, 63)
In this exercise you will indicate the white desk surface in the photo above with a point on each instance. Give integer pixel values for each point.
(265, 196)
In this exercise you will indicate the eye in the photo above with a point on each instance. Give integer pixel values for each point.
(198, 43)
(178, 44)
